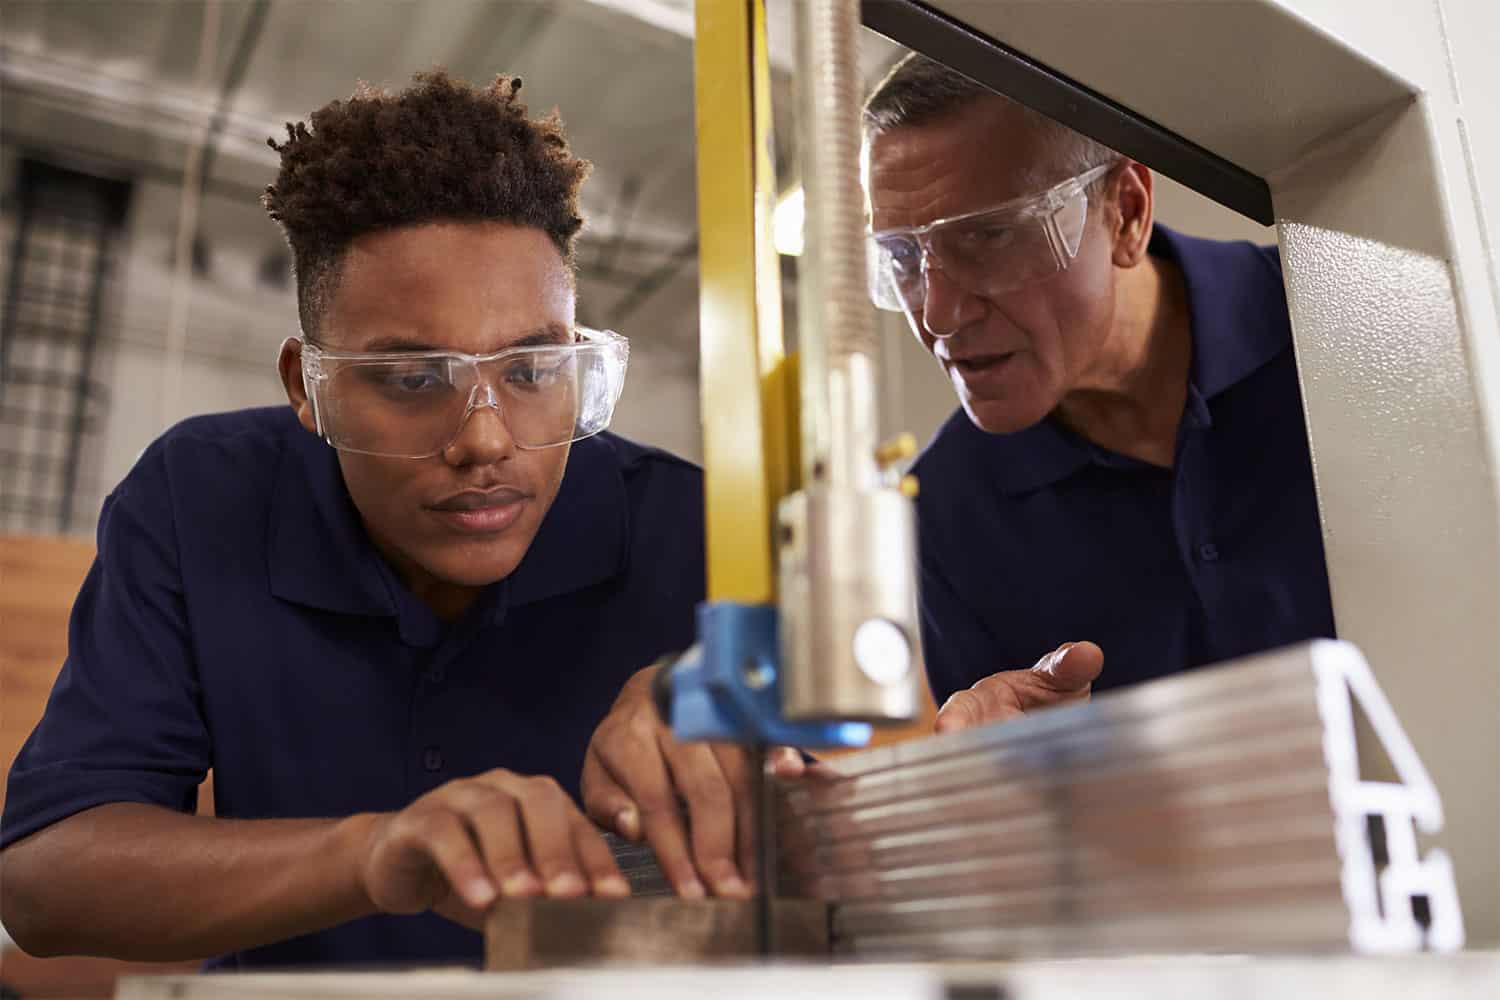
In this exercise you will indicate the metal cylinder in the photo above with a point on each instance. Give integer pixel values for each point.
(848, 544)
(849, 635)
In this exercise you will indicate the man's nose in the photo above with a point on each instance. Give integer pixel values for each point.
(484, 436)
(946, 306)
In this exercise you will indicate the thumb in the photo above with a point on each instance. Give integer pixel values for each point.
(1070, 668)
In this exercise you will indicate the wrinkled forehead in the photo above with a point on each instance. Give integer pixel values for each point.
(986, 155)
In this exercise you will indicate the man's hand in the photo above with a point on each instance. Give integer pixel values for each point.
(635, 773)
(1065, 674)
(459, 847)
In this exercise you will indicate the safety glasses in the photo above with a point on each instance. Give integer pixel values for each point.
(414, 404)
(987, 253)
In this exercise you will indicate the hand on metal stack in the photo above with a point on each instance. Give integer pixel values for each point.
(1063, 675)
(636, 774)
(463, 845)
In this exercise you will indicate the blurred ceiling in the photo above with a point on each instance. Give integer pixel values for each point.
(117, 84)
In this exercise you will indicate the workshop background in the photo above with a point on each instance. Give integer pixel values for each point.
(141, 281)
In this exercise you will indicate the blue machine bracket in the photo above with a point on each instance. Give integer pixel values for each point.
(727, 688)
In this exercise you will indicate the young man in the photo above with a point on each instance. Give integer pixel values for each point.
(1130, 464)
(389, 616)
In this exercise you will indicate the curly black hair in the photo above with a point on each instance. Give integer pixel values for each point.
(438, 151)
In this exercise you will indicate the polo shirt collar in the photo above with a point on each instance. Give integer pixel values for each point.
(1236, 304)
(321, 556)
(1238, 324)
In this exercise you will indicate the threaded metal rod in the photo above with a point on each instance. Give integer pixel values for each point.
(838, 338)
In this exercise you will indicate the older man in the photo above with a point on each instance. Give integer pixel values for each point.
(1130, 464)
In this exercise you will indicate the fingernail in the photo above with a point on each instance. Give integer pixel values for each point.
(480, 892)
(628, 823)
(519, 884)
(566, 884)
(1048, 664)
(611, 885)
(692, 890)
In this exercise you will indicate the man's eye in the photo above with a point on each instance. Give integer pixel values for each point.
(534, 376)
(988, 236)
(416, 381)
(903, 256)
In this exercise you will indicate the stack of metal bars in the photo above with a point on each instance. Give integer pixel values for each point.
(1191, 813)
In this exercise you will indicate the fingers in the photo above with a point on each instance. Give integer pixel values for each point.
(567, 854)
(547, 820)
(597, 861)
(1070, 668)
(786, 763)
(444, 838)
(634, 775)
(1065, 674)
(498, 835)
(734, 764)
(636, 767)
(606, 802)
(979, 704)
(494, 823)
(711, 805)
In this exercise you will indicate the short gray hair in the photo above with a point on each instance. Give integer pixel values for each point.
(919, 91)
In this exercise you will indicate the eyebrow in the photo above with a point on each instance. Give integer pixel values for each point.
(552, 333)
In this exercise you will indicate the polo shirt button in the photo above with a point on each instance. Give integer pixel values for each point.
(432, 759)
(1208, 552)
(436, 675)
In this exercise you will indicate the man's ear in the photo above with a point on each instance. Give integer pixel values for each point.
(1132, 195)
(289, 367)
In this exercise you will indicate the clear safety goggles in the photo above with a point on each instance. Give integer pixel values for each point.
(986, 253)
(413, 404)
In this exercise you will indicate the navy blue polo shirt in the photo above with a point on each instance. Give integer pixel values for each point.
(1036, 538)
(238, 617)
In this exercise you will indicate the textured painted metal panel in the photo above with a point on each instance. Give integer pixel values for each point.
(1409, 513)
(1400, 355)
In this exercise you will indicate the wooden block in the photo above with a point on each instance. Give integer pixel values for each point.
(549, 933)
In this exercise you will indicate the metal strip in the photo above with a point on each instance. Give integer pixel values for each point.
(1108, 753)
(1217, 688)
(1018, 76)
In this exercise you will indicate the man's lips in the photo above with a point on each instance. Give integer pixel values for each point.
(979, 362)
(482, 511)
(500, 496)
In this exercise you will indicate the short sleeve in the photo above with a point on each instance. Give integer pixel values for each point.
(124, 721)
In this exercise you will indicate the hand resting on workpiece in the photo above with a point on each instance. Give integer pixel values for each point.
(636, 772)
(1063, 675)
(186, 887)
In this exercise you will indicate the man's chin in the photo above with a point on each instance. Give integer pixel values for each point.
(470, 569)
(1002, 416)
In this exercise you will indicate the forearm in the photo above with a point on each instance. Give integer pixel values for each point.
(145, 883)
